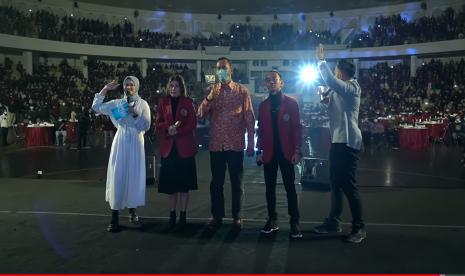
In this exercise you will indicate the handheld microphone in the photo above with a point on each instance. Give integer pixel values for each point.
(131, 104)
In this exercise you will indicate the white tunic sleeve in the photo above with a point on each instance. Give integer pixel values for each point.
(100, 107)
(142, 123)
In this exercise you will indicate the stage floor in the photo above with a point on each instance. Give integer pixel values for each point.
(413, 206)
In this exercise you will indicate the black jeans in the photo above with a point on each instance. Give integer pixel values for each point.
(82, 139)
(4, 131)
(288, 174)
(342, 167)
(218, 162)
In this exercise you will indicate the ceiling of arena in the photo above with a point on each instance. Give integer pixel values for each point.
(246, 6)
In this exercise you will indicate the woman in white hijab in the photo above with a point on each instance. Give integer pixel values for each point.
(126, 180)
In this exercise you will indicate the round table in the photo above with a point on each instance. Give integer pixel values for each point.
(39, 135)
(436, 129)
(414, 138)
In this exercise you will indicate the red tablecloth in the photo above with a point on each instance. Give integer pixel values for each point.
(71, 130)
(436, 130)
(39, 136)
(414, 138)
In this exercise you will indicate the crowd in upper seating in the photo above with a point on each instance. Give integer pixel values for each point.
(398, 30)
(46, 25)
(387, 30)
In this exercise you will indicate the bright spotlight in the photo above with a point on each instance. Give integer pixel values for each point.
(308, 74)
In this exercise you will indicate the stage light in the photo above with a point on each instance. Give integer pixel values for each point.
(308, 74)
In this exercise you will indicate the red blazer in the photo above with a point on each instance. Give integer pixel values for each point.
(185, 138)
(289, 128)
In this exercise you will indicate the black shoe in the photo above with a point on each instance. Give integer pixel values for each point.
(113, 228)
(237, 224)
(295, 232)
(182, 219)
(270, 226)
(215, 223)
(114, 223)
(356, 236)
(133, 217)
(329, 226)
(172, 221)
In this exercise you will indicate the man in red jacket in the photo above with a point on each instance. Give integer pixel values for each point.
(279, 141)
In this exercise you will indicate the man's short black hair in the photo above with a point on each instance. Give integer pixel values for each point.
(277, 72)
(347, 67)
(225, 58)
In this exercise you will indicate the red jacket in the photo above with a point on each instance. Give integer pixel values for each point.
(289, 128)
(185, 138)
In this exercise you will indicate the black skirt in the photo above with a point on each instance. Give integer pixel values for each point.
(177, 175)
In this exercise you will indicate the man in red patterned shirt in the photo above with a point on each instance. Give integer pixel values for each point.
(231, 114)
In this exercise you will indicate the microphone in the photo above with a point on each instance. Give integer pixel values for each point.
(326, 93)
(131, 104)
(324, 96)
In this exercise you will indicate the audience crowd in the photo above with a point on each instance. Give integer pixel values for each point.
(397, 30)
(387, 30)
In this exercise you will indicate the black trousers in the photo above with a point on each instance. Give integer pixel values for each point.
(233, 160)
(82, 139)
(4, 131)
(342, 167)
(288, 175)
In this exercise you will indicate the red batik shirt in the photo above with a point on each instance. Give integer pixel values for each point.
(231, 114)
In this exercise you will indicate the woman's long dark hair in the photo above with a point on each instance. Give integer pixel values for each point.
(182, 85)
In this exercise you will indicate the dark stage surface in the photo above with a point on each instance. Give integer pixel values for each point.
(413, 201)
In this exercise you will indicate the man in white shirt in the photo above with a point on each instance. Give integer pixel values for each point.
(4, 127)
(346, 142)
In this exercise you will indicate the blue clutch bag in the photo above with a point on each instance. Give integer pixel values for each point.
(120, 111)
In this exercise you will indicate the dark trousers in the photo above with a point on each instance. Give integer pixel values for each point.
(342, 167)
(4, 131)
(288, 175)
(82, 139)
(234, 162)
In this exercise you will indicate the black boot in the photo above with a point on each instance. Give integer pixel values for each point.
(172, 221)
(114, 223)
(133, 218)
(182, 218)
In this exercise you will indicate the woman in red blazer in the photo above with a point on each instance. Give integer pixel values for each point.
(175, 126)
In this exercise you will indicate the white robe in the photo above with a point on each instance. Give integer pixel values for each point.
(126, 178)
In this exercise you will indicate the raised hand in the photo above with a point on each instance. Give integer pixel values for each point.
(111, 85)
(320, 52)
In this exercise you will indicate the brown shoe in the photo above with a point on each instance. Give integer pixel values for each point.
(237, 224)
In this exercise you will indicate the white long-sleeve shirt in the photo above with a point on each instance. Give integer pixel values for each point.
(343, 108)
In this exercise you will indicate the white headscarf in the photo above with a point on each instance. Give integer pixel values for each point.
(136, 84)
(135, 80)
